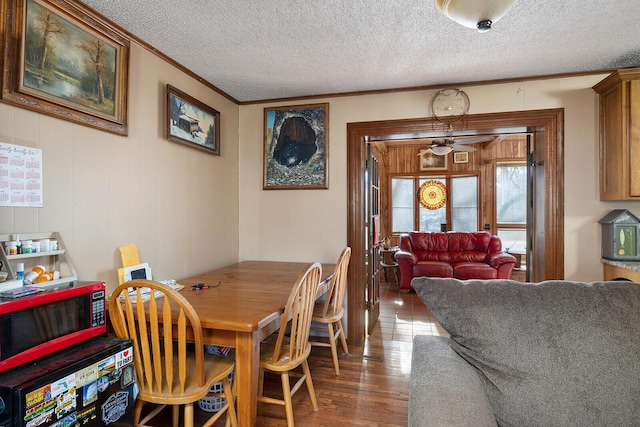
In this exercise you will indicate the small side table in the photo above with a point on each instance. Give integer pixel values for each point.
(388, 262)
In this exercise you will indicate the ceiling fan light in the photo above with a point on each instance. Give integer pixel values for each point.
(475, 14)
(441, 150)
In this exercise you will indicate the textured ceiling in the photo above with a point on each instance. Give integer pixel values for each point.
(270, 49)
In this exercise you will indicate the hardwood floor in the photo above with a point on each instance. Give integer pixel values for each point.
(373, 386)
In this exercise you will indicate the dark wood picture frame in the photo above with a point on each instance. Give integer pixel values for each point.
(79, 73)
(192, 122)
(296, 147)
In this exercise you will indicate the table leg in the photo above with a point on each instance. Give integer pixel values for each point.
(247, 369)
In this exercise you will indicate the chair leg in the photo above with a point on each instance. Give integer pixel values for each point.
(188, 414)
(261, 382)
(334, 349)
(312, 391)
(137, 411)
(234, 395)
(229, 396)
(286, 392)
(176, 415)
(343, 339)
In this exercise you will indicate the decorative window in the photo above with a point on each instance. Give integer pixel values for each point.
(444, 203)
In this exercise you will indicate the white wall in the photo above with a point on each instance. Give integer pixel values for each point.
(102, 191)
(310, 225)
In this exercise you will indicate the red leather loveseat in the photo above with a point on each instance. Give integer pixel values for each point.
(463, 255)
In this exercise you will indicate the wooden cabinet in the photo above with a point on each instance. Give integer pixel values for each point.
(620, 135)
(619, 271)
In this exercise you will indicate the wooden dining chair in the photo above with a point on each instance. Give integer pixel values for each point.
(327, 314)
(290, 348)
(169, 370)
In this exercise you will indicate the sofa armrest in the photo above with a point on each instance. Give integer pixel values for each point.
(409, 257)
(445, 389)
(497, 259)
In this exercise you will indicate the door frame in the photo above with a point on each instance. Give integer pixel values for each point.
(547, 125)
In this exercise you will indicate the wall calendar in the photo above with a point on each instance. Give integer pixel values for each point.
(20, 176)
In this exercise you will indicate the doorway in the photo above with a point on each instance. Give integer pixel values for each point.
(547, 246)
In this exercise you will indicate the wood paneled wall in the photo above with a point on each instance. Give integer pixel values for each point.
(400, 158)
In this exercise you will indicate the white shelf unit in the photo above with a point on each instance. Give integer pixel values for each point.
(52, 260)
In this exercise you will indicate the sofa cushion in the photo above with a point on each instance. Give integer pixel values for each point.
(429, 242)
(556, 353)
(473, 270)
(432, 269)
(469, 241)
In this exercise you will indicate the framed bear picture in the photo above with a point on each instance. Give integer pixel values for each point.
(296, 147)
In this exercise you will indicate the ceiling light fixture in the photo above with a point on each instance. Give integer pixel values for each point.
(441, 150)
(478, 14)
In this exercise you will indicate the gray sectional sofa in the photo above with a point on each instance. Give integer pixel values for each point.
(556, 353)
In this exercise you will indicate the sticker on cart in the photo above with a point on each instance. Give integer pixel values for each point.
(103, 383)
(107, 369)
(66, 403)
(38, 396)
(63, 385)
(89, 393)
(70, 420)
(87, 415)
(124, 357)
(87, 375)
(40, 414)
(127, 376)
(107, 366)
(40, 419)
(115, 407)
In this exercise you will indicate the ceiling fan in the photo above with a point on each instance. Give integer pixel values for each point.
(443, 146)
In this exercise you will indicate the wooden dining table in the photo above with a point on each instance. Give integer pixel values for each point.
(243, 305)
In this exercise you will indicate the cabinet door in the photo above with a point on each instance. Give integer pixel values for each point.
(612, 165)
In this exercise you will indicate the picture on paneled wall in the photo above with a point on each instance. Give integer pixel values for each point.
(192, 122)
(296, 147)
(430, 161)
(461, 157)
(63, 60)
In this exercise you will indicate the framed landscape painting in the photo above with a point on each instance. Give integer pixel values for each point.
(192, 122)
(296, 147)
(63, 60)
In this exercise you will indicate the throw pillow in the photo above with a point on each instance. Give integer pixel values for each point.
(556, 353)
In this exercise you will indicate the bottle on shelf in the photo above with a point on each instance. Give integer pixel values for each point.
(20, 271)
(11, 247)
(18, 244)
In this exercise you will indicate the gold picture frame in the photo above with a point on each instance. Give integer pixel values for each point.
(62, 59)
(460, 157)
(296, 147)
(430, 161)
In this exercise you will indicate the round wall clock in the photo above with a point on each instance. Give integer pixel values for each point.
(432, 195)
(449, 105)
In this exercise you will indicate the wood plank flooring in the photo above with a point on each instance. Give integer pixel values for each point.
(373, 386)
